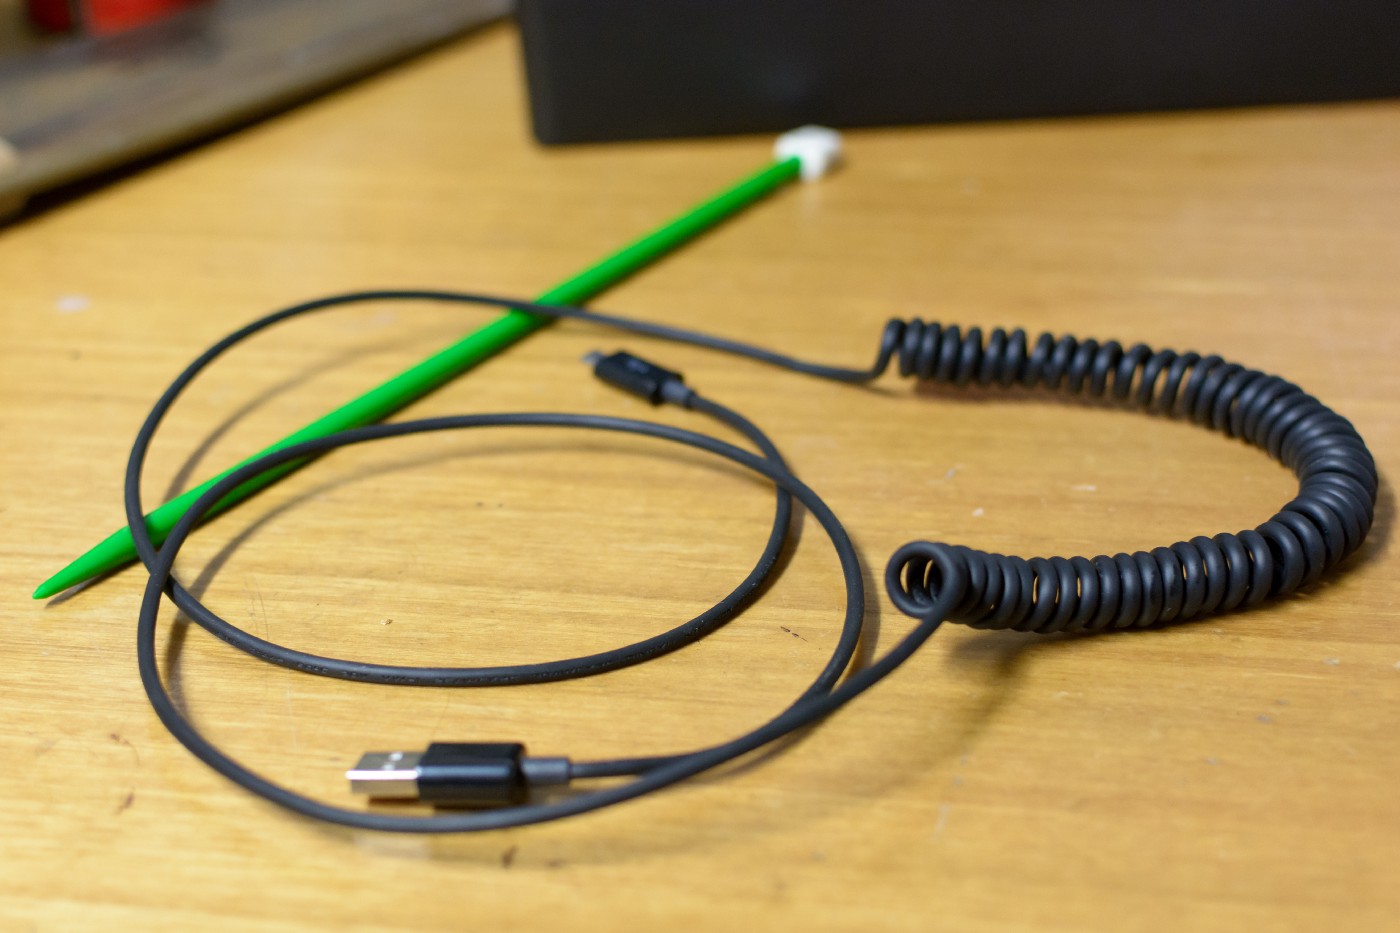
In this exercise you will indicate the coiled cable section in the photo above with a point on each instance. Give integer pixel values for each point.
(1325, 522)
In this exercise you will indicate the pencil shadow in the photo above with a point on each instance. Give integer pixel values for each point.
(58, 599)
(300, 377)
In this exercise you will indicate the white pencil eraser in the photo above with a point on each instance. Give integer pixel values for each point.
(819, 148)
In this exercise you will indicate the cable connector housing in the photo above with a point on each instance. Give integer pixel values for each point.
(457, 774)
(642, 378)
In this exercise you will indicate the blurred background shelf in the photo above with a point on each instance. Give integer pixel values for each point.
(73, 105)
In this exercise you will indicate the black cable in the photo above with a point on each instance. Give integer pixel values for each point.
(539, 672)
(930, 582)
(822, 696)
(1326, 521)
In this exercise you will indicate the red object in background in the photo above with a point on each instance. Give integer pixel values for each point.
(100, 16)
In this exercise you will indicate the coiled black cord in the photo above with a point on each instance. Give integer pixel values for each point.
(931, 582)
(1326, 521)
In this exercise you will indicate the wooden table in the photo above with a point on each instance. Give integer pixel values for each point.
(1232, 774)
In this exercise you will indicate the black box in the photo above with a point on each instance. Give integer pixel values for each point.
(629, 69)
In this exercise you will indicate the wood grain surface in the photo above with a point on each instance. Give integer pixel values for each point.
(1237, 773)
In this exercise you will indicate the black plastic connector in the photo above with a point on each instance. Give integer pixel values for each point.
(475, 774)
(643, 379)
(457, 774)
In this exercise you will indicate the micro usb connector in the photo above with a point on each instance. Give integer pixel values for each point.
(640, 377)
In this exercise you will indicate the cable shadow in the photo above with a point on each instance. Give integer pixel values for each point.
(214, 566)
(182, 476)
(1003, 654)
(997, 658)
(863, 658)
(486, 849)
(977, 394)
(1377, 542)
(874, 615)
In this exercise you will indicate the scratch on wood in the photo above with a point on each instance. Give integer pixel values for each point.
(262, 608)
(791, 632)
(122, 740)
(127, 801)
(508, 856)
(943, 811)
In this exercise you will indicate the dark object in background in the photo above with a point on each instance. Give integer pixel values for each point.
(627, 69)
(75, 106)
(100, 16)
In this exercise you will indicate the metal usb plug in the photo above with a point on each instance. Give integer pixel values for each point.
(386, 775)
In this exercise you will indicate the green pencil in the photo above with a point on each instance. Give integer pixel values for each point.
(118, 550)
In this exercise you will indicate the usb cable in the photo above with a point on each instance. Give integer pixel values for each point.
(931, 582)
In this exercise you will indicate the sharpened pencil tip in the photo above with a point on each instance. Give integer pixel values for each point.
(69, 576)
(45, 590)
